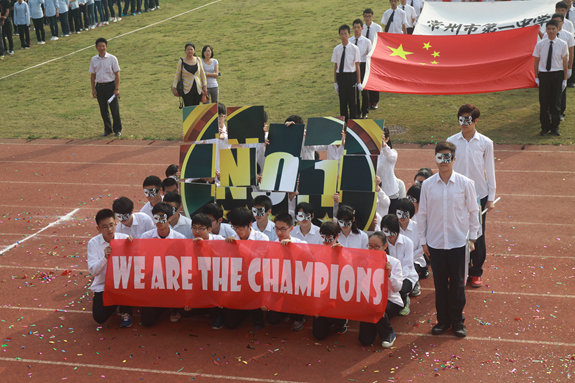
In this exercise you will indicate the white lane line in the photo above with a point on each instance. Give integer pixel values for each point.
(45, 309)
(509, 293)
(534, 223)
(42, 267)
(148, 371)
(50, 235)
(542, 257)
(505, 150)
(112, 38)
(79, 163)
(176, 144)
(61, 219)
(500, 170)
(69, 183)
(489, 339)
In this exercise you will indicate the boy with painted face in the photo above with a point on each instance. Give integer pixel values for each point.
(130, 223)
(401, 248)
(152, 187)
(413, 195)
(351, 235)
(448, 213)
(305, 230)
(98, 252)
(178, 222)
(216, 214)
(261, 210)
(404, 211)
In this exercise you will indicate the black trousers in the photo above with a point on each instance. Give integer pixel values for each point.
(410, 31)
(347, 95)
(192, 97)
(369, 331)
(406, 288)
(275, 317)
(24, 32)
(83, 16)
(103, 93)
(449, 280)
(550, 100)
(1, 42)
(233, 318)
(131, 4)
(563, 101)
(53, 20)
(64, 23)
(364, 104)
(151, 314)
(39, 26)
(477, 256)
(139, 6)
(110, 6)
(74, 20)
(101, 313)
(7, 34)
(373, 97)
(322, 325)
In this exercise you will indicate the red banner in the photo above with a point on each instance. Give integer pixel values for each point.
(298, 278)
(464, 64)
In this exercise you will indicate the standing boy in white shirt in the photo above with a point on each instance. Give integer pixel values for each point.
(410, 16)
(364, 46)
(261, 210)
(475, 160)
(346, 73)
(394, 19)
(152, 186)
(370, 30)
(130, 223)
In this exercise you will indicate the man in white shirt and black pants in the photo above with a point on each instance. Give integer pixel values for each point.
(448, 213)
(364, 46)
(551, 70)
(105, 81)
(346, 73)
(370, 30)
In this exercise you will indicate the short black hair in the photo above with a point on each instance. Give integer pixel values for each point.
(562, 5)
(262, 200)
(204, 51)
(424, 172)
(163, 208)
(405, 205)
(284, 217)
(101, 40)
(346, 212)
(391, 222)
(330, 228)
(153, 181)
(222, 109)
(103, 214)
(172, 170)
(386, 133)
(471, 109)
(368, 11)
(560, 15)
(213, 210)
(445, 145)
(305, 207)
(552, 22)
(240, 216)
(357, 21)
(295, 119)
(379, 235)
(415, 192)
(168, 182)
(344, 27)
(202, 219)
(173, 197)
(123, 205)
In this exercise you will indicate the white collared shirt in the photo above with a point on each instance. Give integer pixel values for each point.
(395, 282)
(411, 233)
(417, 5)
(97, 261)
(403, 251)
(383, 203)
(269, 231)
(216, 237)
(447, 212)
(475, 160)
(364, 46)
(385, 170)
(147, 209)
(373, 29)
(293, 239)
(255, 235)
(567, 25)
(154, 234)
(410, 14)
(105, 67)
(141, 222)
(184, 227)
(354, 241)
(560, 50)
(351, 57)
(565, 36)
(399, 19)
(312, 237)
(226, 230)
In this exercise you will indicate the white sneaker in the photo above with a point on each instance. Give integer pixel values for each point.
(78, 32)
(107, 23)
(153, 9)
(158, 7)
(86, 28)
(55, 38)
(39, 43)
(115, 19)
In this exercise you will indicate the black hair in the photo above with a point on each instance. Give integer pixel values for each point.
(424, 172)
(202, 219)
(222, 109)
(153, 181)
(213, 210)
(240, 216)
(173, 197)
(204, 51)
(330, 228)
(415, 192)
(168, 182)
(357, 21)
(391, 222)
(284, 217)
(295, 119)
(101, 40)
(163, 208)
(305, 207)
(471, 109)
(189, 45)
(445, 145)
(344, 27)
(379, 235)
(262, 200)
(123, 205)
(265, 117)
(405, 205)
(346, 212)
(560, 15)
(552, 22)
(103, 214)
(562, 5)
(368, 11)
(172, 170)
(386, 133)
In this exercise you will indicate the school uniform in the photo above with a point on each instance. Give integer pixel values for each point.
(226, 230)
(63, 15)
(141, 223)
(383, 202)
(37, 16)
(74, 16)
(410, 16)
(353, 240)
(475, 160)
(216, 237)
(550, 82)
(22, 22)
(51, 7)
(364, 46)
(447, 213)
(369, 32)
(394, 20)
(293, 239)
(269, 231)
(403, 251)
(386, 171)
(417, 5)
(97, 264)
(105, 69)
(346, 78)
(312, 237)
(147, 209)
(184, 227)
(570, 40)
(153, 234)
(419, 258)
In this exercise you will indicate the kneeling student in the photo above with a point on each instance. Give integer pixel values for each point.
(130, 223)
(178, 222)
(98, 252)
(369, 331)
(330, 232)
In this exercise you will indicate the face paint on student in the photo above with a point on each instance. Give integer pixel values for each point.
(444, 158)
(123, 217)
(301, 216)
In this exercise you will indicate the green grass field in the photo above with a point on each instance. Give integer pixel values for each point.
(271, 53)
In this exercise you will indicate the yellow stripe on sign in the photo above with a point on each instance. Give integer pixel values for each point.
(195, 116)
(373, 130)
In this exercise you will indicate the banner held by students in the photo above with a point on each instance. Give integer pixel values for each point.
(298, 278)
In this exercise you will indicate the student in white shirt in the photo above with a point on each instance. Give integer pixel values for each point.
(475, 160)
(306, 230)
(421, 175)
(261, 210)
(410, 15)
(448, 214)
(216, 214)
(383, 200)
(401, 248)
(330, 232)
(413, 195)
(346, 73)
(152, 187)
(386, 169)
(370, 30)
(350, 236)
(130, 223)
(394, 19)
(178, 222)
(369, 331)
(98, 252)
(364, 46)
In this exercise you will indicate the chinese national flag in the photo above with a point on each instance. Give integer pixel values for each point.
(479, 63)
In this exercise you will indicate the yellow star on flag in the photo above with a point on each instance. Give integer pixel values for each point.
(434, 62)
(399, 52)
(326, 218)
(426, 46)
(435, 54)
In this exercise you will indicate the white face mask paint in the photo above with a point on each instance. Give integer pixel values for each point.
(387, 232)
(301, 216)
(174, 210)
(465, 120)
(174, 177)
(327, 238)
(445, 158)
(258, 211)
(402, 214)
(151, 192)
(344, 223)
(123, 217)
(412, 199)
(160, 218)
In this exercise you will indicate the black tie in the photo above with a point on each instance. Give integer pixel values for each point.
(389, 21)
(342, 61)
(356, 41)
(367, 33)
(403, 7)
(412, 3)
(548, 67)
(567, 15)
